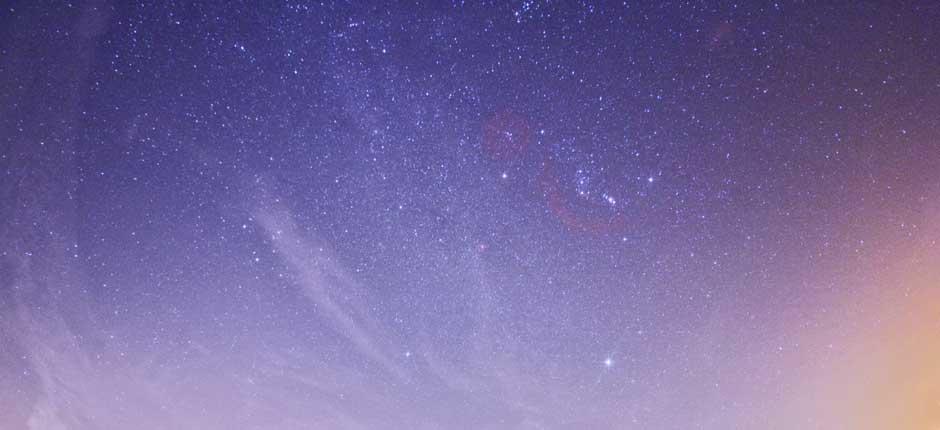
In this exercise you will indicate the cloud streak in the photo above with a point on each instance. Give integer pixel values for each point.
(322, 278)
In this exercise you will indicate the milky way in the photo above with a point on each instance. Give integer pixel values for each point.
(520, 215)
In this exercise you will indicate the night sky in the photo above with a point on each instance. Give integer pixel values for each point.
(517, 215)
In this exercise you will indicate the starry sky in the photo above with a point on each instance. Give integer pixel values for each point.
(509, 215)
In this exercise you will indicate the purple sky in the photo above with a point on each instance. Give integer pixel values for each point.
(519, 215)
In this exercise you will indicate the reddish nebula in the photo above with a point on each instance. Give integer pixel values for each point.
(507, 137)
(566, 210)
(722, 34)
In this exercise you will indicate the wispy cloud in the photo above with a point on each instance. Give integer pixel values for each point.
(322, 278)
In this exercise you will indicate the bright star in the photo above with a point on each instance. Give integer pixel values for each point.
(608, 362)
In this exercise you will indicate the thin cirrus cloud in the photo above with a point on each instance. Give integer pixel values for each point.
(321, 279)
